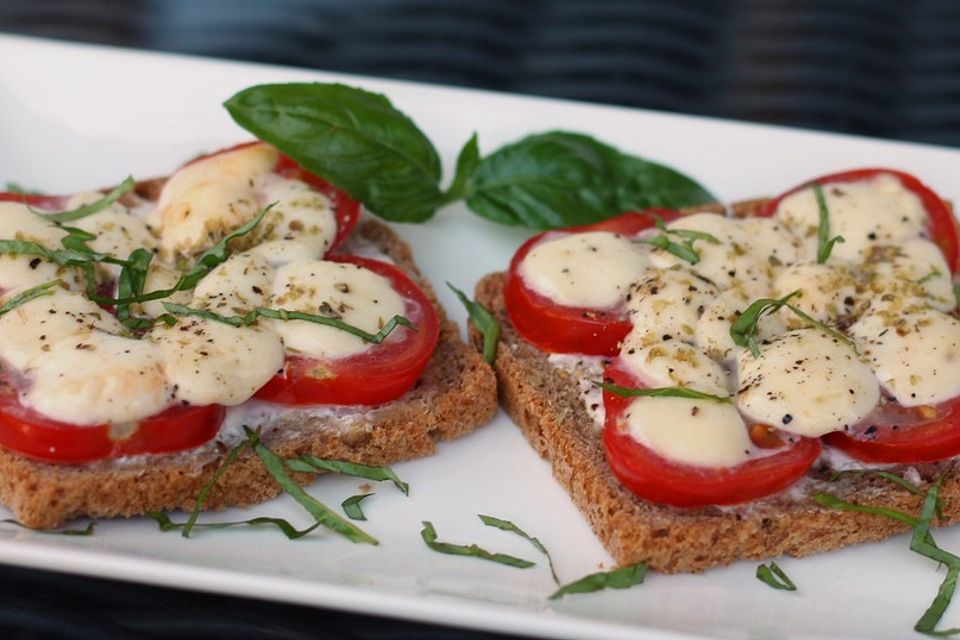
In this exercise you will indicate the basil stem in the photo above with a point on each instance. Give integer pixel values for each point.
(25, 296)
(506, 525)
(661, 392)
(313, 464)
(824, 241)
(429, 535)
(94, 207)
(351, 506)
(622, 578)
(283, 314)
(231, 457)
(292, 533)
(831, 501)
(774, 576)
(323, 514)
(484, 321)
(86, 531)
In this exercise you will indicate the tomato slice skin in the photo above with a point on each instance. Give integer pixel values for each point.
(33, 435)
(941, 224)
(915, 440)
(382, 373)
(560, 329)
(652, 477)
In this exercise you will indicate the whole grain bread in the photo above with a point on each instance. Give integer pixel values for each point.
(455, 394)
(545, 401)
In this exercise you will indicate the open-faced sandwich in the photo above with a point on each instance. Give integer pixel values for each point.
(706, 386)
(142, 330)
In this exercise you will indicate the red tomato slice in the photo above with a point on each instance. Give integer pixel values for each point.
(560, 329)
(657, 479)
(380, 374)
(44, 203)
(898, 434)
(941, 225)
(27, 432)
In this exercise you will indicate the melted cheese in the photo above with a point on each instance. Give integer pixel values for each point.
(914, 268)
(668, 303)
(702, 433)
(349, 292)
(236, 286)
(713, 329)
(827, 292)
(18, 222)
(160, 277)
(915, 356)
(301, 224)
(806, 382)
(592, 269)
(673, 364)
(119, 231)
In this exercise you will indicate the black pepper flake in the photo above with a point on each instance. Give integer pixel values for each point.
(257, 290)
(786, 419)
(35, 263)
(872, 429)
(667, 337)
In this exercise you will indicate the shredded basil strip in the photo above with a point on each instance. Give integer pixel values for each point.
(774, 576)
(831, 501)
(283, 314)
(484, 321)
(115, 194)
(323, 514)
(231, 457)
(684, 251)
(429, 535)
(506, 525)
(291, 532)
(313, 464)
(13, 187)
(824, 241)
(661, 392)
(956, 293)
(744, 329)
(25, 296)
(133, 277)
(86, 531)
(622, 578)
(930, 276)
(351, 506)
(903, 483)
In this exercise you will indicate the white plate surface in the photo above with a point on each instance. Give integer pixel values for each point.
(72, 117)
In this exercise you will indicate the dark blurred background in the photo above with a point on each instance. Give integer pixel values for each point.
(888, 68)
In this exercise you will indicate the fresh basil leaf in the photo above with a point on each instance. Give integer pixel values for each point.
(642, 184)
(27, 295)
(622, 578)
(467, 163)
(831, 501)
(429, 535)
(323, 514)
(506, 525)
(774, 576)
(824, 241)
(661, 392)
(484, 321)
(115, 194)
(86, 531)
(355, 139)
(351, 506)
(283, 314)
(312, 464)
(230, 458)
(291, 532)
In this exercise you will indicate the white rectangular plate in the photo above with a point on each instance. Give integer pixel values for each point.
(73, 117)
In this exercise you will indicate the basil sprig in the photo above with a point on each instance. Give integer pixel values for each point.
(683, 250)
(97, 206)
(661, 392)
(429, 535)
(775, 577)
(484, 321)
(362, 144)
(313, 464)
(506, 525)
(351, 506)
(45, 289)
(744, 329)
(824, 241)
(622, 578)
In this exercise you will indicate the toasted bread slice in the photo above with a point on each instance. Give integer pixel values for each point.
(545, 401)
(455, 394)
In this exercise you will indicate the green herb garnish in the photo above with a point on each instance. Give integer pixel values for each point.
(831, 501)
(13, 187)
(25, 296)
(230, 458)
(351, 506)
(685, 250)
(86, 531)
(774, 576)
(291, 532)
(622, 578)
(506, 525)
(484, 321)
(313, 464)
(934, 273)
(429, 535)
(661, 392)
(824, 241)
(956, 293)
(94, 207)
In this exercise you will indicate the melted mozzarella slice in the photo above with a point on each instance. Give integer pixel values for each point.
(827, 292)
(865, 213)
(673, 364)
(300, 225)
(668, 303)
(349, 292)
(18, 222)
(713, 329)
(211, 362)
(160, 277)
(592, 269)
(30, 330)
(806, 382)
(236, 286)
(207, 199)
(702, 433)
(771, 242)
(914, 268)
(23, 272)
(119, 231)
(915, 356)
(99, 378)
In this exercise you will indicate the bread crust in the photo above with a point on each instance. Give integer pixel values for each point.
(455, 394)
(544, 401)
